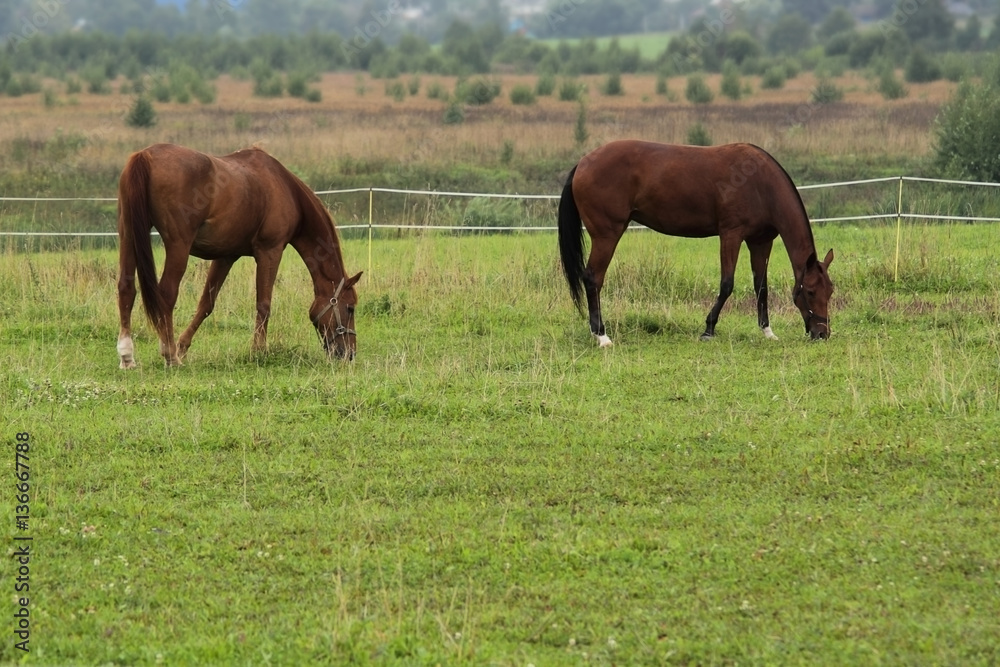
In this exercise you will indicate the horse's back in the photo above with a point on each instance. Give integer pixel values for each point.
(691, 191)
(222, 205)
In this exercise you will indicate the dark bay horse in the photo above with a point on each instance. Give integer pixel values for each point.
(222, 208)
(737, 192)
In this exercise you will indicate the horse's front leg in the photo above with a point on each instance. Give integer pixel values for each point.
(217, 273)
(729, 253)
(760, 254)
(601, 251)
(267, 271)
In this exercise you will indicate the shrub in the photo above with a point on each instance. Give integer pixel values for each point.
(921, 68)
(271, 86)
(697, 91)
(522, 94)
(160, 90)
(13, 87)
(661, 84)
(314, 95)
(545, 85)
(141, 113)
(97, 82)
(698, 136)
(507, 152)
(435, 91)
(966, 132)
(395, 90)
(826, 91)
(454, 114)
(955, 67)
(570, 90)
(613, 84)
(580, 134)
(889, 86)
(731, 86)
(773, 78)
(477, 92)
(298, 84)
(413, 85)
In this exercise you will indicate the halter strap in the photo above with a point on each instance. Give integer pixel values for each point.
(341, 330)
(800, 289)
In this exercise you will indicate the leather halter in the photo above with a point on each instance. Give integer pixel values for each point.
(341, 330)
(825, 321)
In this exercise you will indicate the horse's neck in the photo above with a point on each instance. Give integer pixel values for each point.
(797, 236)
(319, 248)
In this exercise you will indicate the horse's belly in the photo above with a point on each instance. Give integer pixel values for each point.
(692, 228)
(212, 243)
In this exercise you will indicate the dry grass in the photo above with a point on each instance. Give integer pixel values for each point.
(374, 126)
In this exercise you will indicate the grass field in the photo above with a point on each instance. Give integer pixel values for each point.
(483, 485)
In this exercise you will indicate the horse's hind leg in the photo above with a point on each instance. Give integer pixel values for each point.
(173, 270)
(217, 273)
(729, 252)
(601, 251)
(760, 254)
(126, 300)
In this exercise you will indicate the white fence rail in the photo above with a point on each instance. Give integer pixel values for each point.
(372, 191)
(899, 215)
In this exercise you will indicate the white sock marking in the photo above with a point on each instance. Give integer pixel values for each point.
(126, 352)
(768, 334)
(604, 341)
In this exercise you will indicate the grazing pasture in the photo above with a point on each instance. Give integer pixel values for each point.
(484, 485)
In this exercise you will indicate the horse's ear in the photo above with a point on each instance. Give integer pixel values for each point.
(829, 258)
(353, 279)
(811, 261)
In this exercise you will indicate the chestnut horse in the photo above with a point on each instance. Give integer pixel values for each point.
(737, 192)
(222, 208)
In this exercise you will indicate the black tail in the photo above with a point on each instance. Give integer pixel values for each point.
(571, 240)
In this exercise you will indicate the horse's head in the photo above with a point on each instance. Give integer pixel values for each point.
(334, 319)
(813, 289)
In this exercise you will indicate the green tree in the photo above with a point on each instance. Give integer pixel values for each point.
(791, 33)
(812, 11)
(838, 21)
(464, 47)
(141, 113)
(740, 45)
(968, 130)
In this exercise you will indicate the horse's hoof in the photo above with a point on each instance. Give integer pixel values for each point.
(126, 365)
(705, 337)
(604, 341)
(768, 334)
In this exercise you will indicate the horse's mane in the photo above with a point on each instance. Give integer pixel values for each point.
(791, 184)
(310, 203)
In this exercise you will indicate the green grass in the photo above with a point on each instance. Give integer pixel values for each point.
(650, 44)
(483, 485)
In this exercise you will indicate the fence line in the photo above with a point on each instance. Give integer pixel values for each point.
(372, 225)
(498, 195)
